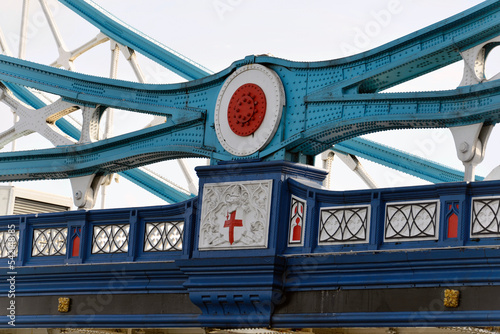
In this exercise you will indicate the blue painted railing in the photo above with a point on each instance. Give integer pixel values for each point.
(445, 209)
(116, 235)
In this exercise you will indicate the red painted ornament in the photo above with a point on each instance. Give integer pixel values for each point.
(297, 233)
(232, 222)
(453, 226)
(76, 246)
(246, 109)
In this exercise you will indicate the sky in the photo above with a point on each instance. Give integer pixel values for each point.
(216, 33)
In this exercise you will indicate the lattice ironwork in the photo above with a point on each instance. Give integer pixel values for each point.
(164, 236)
(296, 225)
(344, 225)
(9, 243)
(411, 221)
(485, 220)
(110, 239)
(49, 241)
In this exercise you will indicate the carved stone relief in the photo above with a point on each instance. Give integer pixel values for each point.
(235, 215)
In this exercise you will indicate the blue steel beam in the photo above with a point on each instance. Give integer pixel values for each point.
(370, 150)
(428, 170)
(402, 161)
(402, 110)
(159, 143)
(136, 176)
(338, 99)
(123, 33)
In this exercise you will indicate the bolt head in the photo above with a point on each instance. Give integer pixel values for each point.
(464, 147)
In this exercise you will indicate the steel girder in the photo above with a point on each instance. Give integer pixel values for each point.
(326, 102)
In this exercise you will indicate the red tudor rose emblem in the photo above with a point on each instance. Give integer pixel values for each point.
(246, 109)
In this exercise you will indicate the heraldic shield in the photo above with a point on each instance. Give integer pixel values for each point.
(235, 215)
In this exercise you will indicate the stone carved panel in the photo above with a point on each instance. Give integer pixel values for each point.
(344, 225)
(163, 236)
(485, 220)
(412, 221)
(110, 239)
(49, 241)
(9, 243)
(235, 215)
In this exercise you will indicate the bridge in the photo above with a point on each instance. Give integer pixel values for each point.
(263, 244)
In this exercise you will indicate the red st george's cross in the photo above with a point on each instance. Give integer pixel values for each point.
(231, 222)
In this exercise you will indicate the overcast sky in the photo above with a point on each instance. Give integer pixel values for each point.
(217, 32)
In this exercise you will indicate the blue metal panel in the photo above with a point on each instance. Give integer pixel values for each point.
(327, 102)
(360, 319)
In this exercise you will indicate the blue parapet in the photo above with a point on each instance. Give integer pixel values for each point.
(263, 244)
(355, 254)
(402, 161)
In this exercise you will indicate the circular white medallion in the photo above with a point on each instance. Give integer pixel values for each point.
(248, 109)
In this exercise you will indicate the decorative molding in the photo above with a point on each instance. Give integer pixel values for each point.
(411, 221)
(344, 224)
(451, 298)
(485, 219)
(234, 288)
(108, 239)
(9, 244)
(235, 215)
(49, 241)
(297, 221)
(164, 236)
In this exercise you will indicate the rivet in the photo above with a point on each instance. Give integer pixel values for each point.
(464, 147)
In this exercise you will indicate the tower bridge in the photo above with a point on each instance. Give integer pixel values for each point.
(263, 244)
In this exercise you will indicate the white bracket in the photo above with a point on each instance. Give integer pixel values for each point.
(327, 158)
(90, 125)
(475, 61)
(193, 189)
(85, 190)
(470, 143)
